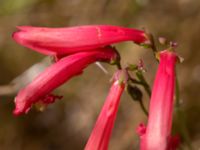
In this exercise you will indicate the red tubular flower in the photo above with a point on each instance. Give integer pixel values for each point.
(55, 75)
(157, 135)
(64, 41)
(100, 136)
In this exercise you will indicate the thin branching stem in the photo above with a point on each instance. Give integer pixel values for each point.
(143, 108)
(134, 81)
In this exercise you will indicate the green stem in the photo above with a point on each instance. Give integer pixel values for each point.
(143, 108)
(144, 83)
(134, 81)
(153, 46)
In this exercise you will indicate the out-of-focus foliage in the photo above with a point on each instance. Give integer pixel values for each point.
(9, 7)
(68, 123)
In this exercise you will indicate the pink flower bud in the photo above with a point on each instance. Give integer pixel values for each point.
(64, 41)
(158, 131)
(55, 75)
(100, 136)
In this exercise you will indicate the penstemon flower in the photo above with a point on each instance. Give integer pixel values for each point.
(77, 47)
(64, 41)
(157, 135)
(55, 75)
(100, 136)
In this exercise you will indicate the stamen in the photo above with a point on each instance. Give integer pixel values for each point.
(101, 67)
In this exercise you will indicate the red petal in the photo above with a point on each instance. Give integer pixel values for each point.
(64, 41)
(57, 74)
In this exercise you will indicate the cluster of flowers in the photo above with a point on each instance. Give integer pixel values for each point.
(74, 49)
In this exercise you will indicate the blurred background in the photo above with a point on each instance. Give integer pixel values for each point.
(66, 124)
